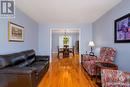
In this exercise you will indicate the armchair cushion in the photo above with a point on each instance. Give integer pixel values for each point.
(115, 78)
(107, 54)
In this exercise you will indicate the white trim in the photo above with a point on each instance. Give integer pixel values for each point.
(79, 45)
(50, 45)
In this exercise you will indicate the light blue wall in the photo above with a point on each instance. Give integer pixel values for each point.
(103, 34)
(55, 42)
(30, 34)
(44, 36)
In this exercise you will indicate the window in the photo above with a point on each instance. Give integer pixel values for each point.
(65, 40)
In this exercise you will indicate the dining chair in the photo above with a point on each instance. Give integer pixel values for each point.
(71, 50)
(60, 50)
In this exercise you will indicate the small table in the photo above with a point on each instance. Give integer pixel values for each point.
(65, 52)
(104, 65)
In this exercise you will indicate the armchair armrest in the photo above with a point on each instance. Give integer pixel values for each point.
(42, 58)
(17, 70)
(86, 57)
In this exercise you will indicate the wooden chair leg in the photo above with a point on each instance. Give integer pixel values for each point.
(58, 55)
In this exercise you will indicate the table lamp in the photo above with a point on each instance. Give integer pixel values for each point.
(91, 44)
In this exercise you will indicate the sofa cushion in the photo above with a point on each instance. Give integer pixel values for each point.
(4, 62)
(40, 65)
(23, 64)
(17, 60)
(29, 53)
(11, 59)
(30, 56)
(30, 60)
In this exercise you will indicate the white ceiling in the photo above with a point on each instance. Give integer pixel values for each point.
(65, 11)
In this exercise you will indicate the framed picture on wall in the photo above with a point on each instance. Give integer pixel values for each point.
(122, 29)
(15, 32)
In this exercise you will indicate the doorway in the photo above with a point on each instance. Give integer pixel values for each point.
(64, 37)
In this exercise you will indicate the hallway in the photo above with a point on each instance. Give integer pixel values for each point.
(66, 72)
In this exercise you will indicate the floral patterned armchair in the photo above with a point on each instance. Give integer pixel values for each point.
(107, 54)
(115, 78)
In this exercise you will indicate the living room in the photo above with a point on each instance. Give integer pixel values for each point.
(96, 21)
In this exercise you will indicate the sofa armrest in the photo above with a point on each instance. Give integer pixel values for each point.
(18, 77)
(17, 70)
(42, 58)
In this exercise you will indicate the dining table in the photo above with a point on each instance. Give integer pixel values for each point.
(65, 51)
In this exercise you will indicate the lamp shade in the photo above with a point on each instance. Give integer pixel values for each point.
(91, 44)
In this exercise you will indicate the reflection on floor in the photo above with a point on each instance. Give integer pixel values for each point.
(66, 72)
(61, 55)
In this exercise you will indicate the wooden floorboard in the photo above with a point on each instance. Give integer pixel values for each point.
(66, 72)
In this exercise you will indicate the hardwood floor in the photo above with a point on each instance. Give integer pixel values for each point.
(66, 72)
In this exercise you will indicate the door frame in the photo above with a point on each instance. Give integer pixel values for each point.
(51, 31)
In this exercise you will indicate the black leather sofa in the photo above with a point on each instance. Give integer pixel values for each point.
(22, 69)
